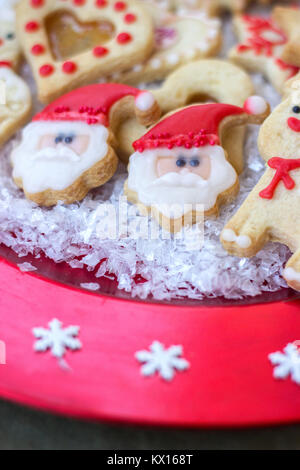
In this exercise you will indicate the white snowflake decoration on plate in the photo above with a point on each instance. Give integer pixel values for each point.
(287, 362)
(57, 338)
(161, 360)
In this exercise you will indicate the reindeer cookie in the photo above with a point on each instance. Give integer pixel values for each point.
(179, 39)
(272, 210)
(72, 43)
(260, 49)
(9, 44)
(16, 106)
(204, 80)
(180, 170)
(68, 148)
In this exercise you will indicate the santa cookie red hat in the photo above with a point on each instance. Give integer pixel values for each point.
(92, 103)
(196, 126)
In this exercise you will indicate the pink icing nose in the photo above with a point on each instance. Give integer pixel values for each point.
(1, 42)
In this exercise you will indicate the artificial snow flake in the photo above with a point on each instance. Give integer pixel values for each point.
(161, 360)
(287, 362)
(56, 338)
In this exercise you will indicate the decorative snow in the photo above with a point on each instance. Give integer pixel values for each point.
(161, 360)
(287, 362)
(90, 285)
(56, 338)
(170, 268)
(26, 267)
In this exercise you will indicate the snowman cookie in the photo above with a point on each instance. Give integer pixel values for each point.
(15, 107)
(180, 171)
(68, 148)
(203, 80)
(179, 39)
(261, 43)
(9, 45)
(72, 43)
(271, 212)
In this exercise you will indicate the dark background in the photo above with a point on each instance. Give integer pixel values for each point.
(22, 428)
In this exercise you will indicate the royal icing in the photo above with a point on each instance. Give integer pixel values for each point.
(256, 105)
(41, 169)
(16, 89)
(282, 166)
(265, 38)
(243, 241)
(144, 101)
(291, 275)
(170, 189)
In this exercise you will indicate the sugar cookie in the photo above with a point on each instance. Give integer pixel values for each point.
(9, 45)
(179, 39)
(180, 171)
(203, 80)
(68, 148)
(272, 210)
(289, 19)
(73, 43)
(15, 110)
(260, 49)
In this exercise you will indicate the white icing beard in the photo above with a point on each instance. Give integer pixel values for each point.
(179, 188)
(16, 89)
(49, 168)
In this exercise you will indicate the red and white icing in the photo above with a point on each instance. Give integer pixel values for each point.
(265, 38)
(283, 166)
(195, 126)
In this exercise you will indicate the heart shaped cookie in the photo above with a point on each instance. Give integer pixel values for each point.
(180, 38)
(72, 43)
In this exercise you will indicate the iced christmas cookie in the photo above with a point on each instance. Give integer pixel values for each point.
(68, 148)
(73, 43)
(16, 105)
(200, 81)
(9, 44)
(272, 210)
(289, 19)
(180, 170)
(260, 49)
(179, 39)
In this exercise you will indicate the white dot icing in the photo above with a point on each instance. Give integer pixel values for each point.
(256, 105)
(291, 275)
(229, 235)
(145, 101)
(156, 63)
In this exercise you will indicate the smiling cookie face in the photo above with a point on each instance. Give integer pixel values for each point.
(280, 133)
(9, 45)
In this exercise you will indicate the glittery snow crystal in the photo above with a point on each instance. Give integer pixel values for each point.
(56, 338)
(287, 363)
(161, 360)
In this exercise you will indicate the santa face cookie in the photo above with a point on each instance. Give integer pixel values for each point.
(69, 44)
(9, 44)
(68, 148)
(180, 170)
(260, 49)
(272, 210)
(179, 39)
(15, 110)
(207, 80)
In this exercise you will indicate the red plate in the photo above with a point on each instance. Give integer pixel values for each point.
(229, 382)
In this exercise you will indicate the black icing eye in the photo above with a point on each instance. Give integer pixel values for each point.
(296, 109)
(69, 139)
(59, 139)
(194, 162)
(181, 162)
(10, 36)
